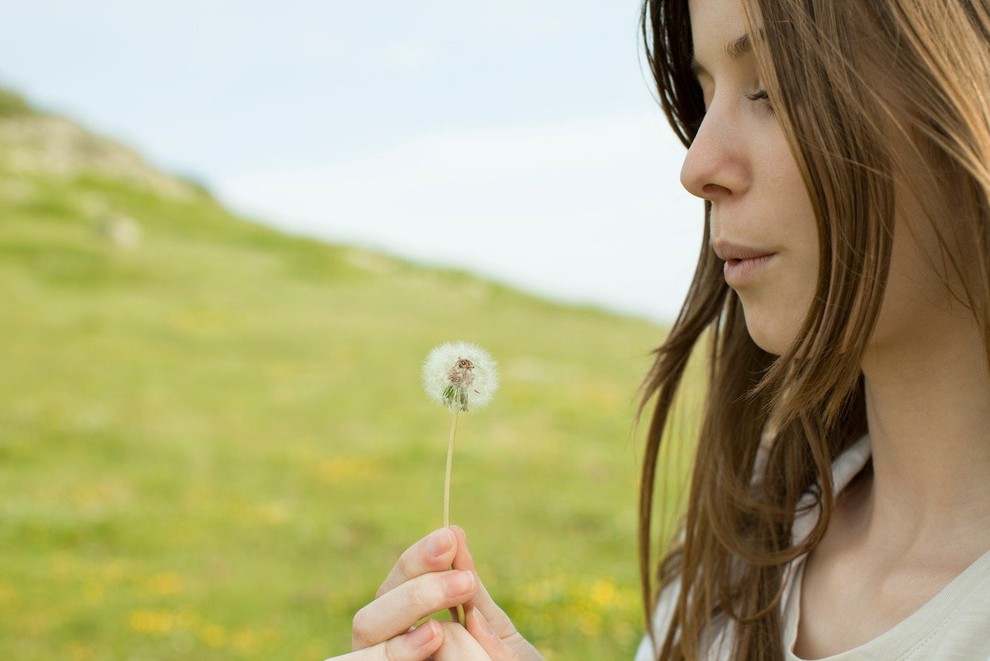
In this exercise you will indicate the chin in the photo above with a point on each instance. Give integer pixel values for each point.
(770, 344)
(772, 333)
(775, 317)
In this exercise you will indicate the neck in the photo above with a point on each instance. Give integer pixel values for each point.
(928, 413)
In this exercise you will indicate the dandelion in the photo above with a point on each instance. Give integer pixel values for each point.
(460, 377)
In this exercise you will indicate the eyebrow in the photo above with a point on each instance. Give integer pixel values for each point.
(735, 50)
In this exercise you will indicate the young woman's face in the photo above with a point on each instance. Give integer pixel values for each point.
(762, 222)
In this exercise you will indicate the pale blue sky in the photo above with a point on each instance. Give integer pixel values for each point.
(516, 138)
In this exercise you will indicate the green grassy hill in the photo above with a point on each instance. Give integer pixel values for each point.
(213, 442)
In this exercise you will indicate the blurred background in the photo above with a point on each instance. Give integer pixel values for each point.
(230, 232)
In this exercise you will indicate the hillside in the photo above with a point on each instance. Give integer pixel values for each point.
(213, 443)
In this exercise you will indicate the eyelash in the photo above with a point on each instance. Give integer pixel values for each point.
(761, 95)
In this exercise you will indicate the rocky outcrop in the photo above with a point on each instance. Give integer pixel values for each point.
(44, 144)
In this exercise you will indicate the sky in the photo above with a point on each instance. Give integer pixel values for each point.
(517, 139)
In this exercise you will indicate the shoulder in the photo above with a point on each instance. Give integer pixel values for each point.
(663, 614)
(718, 644)
(846, 466)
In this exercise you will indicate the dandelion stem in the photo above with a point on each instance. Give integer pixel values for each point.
(450, 465)
(458, 614)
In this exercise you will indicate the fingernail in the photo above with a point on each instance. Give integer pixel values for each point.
(484, 623)
(461, 529)
(457, 583)
(423, 634)
(440, 542)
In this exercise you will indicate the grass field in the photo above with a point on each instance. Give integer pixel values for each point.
(213, 444)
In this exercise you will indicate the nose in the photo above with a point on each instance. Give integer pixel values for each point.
(715, 168)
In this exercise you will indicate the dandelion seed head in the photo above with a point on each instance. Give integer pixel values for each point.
(460, 376)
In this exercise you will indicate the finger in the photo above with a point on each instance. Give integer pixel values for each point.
(482, 632)
(416, 645)
(397, 610)
(494, 615)
(435, 552)
(459, 645)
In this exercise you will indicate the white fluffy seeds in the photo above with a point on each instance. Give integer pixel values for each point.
(460, 376)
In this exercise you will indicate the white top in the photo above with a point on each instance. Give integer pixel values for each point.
(954, 624)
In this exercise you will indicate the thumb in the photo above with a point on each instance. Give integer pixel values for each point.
(492, 614)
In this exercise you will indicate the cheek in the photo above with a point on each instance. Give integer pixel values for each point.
(918, 297)
(933, 256)
(775, 313)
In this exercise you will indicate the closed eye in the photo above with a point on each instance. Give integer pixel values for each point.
(761, 95)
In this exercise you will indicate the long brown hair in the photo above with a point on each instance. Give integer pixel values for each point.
(848, 79)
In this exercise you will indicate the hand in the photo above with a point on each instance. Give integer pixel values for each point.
(422, 584)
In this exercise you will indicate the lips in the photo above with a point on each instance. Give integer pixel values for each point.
(728, 251)
(742, 262)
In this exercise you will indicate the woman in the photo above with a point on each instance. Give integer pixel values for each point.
(841, 493)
